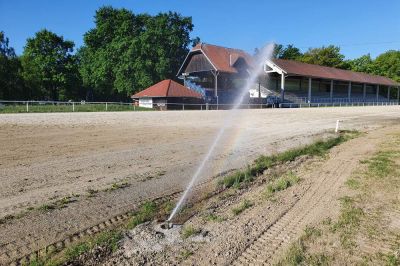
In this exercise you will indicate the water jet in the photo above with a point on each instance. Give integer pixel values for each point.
(258, 67)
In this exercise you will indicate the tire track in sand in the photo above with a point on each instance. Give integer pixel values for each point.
(317, 203)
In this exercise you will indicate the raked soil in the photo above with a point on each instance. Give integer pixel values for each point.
(46, 157)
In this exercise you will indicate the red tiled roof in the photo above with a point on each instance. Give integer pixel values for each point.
(167, 88)
(302, 69)
(222, 58)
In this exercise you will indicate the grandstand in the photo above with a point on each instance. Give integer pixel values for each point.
(218, 73)
(306, 83)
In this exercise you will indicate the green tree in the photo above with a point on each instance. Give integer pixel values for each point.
(126, 53)
(289, 52)
(388, 64)
(49, 67)
(278, 50)
(325, 56)
(11, 84)
(362, 64)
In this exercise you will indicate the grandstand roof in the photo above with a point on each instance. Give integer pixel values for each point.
(291, 67)
(167, 88)
(222, 59)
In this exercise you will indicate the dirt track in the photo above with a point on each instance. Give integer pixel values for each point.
(319, 201)
(45, 157)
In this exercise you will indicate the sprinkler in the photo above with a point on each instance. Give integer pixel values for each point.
(166, 225)
(162, 226)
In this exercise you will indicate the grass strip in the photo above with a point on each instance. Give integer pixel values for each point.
(319, 148)
(65, 108)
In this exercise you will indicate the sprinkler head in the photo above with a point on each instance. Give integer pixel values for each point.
(166, 225)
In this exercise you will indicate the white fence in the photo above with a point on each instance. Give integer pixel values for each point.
(55, 106)
(336, 104)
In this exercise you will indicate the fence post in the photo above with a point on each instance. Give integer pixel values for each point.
(106, 107)
(134, 107)
(27, 107)
(73, 107)
(183, 107)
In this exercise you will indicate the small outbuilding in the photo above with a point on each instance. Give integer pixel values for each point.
(168, 95)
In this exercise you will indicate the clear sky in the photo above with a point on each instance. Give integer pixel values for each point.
(358, 26)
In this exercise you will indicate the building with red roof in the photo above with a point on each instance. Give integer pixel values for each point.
(221, 72)
(167, 94)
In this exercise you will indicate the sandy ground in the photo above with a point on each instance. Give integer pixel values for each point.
(261, 234)
(45, 157)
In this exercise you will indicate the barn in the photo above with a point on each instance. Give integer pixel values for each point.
(167, 95)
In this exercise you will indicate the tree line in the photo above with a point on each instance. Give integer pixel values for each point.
(126, 52)
(122, 54)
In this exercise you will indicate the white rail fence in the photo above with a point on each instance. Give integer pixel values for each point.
(56, 106)
(337, 104)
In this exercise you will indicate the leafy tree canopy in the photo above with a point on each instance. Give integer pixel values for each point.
(11, 84)
(126, 53)
(289, 52)
(362, 64)
(48, 65)
(388, 64)
(325, 56)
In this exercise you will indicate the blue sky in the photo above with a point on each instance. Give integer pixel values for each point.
(358, 26)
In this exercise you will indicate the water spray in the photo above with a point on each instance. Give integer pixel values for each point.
(265, 54)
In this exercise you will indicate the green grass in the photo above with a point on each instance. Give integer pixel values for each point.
(353, 183)
(167, 207)
(348, 222)
(116, 186)
(58, 204)
(362, 216)
(382, 164)
(242, 206)
(146, 212)
(67, 107)
(189, 231)
(297, 253)
(282, 183)
(319, 148)
(213, 218)
(106, 239)
(75, 251)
